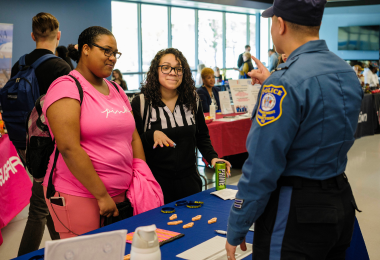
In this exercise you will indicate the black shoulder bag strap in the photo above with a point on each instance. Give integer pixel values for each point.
(50, 188)
(114, 84)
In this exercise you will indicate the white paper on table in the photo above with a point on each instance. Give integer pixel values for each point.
(214, 249)
(240, 91)
(243, 116)
(106, 245)
(225, 103)
(253, 91)
(225, 194)
(252, 228)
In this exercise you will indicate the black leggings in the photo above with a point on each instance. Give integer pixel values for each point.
(176, 189)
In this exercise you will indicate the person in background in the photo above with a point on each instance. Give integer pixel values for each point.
(198, 80)
(208, 93)
(372, 80)
(172, 125)
(217, 74)
(246, 67)
(62, 52)
(241, 59)
(295, 190)
(273, 59)
(97, 140)
(282, 59)
(46, 34)
(359, 73)
(366, 71)
(117, 77)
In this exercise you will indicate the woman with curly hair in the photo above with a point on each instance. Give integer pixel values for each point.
(171, 124)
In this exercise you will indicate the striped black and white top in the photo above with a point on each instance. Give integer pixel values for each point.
(187, 130)
(181, 117)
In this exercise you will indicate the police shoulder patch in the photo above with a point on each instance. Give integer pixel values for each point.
(270, 107)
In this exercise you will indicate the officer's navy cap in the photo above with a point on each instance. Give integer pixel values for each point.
(303, 12)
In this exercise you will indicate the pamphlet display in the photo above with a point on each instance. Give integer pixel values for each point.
(6, 40)
(225, 103)
(244, 95)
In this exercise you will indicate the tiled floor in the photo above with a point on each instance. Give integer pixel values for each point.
(363, 171)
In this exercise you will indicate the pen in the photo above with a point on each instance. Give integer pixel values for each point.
(221, 232)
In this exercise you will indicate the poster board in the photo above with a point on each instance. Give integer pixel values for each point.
(6, 40)
(244, 95)
(225, 102)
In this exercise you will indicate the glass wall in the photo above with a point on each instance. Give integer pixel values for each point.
(126, 35)
(154, 34)
(252, 34)
(264, 40)
(210, 38)
(215, 39)
(236, 37)
(183, 33)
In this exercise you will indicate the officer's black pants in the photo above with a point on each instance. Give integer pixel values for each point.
(306, 219)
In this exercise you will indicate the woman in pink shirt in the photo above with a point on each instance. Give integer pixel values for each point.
(97, 139)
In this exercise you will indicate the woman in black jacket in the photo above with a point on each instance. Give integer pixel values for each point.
(208, 93)
(171, 124)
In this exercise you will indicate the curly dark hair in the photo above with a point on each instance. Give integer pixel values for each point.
(186, 91)
(88, 36)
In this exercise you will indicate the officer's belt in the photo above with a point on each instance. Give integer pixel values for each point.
(299, 182)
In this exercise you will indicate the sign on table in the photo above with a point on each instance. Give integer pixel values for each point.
(244, 94)
(225, 103)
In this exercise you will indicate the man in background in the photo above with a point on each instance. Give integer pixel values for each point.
(371, 78)
(273, 59)
(240, 60)
(46, 34)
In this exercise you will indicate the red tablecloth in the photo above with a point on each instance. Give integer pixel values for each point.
(228, 138)
(15, 184)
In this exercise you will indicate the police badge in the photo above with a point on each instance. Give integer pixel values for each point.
(270, 108)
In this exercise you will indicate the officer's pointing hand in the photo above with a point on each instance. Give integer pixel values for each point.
(261, 74)
(232, 249)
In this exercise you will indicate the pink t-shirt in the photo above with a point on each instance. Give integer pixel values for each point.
(106, 128)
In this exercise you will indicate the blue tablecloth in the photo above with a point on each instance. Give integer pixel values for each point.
(201, 231)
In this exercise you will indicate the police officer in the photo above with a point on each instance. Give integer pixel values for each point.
(293, 185)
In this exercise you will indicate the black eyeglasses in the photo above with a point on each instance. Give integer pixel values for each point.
(166, 69)
(109, 52)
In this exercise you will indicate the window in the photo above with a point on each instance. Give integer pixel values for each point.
(264, 40)
(210, 33)
(154, 23)
(236, 37)
(124, 28)
(232, 74)
(271, 45)
(183, 33)
(252, 34)
(132, 80)
(155, 36)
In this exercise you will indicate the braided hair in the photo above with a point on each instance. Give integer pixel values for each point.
(88, 36)
(186, 91)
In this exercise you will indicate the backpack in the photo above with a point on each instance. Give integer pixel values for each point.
(18, 97)
(40, 149)
(245, 76)
(39, 144)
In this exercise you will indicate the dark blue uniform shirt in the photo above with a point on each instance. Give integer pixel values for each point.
(303, 125)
